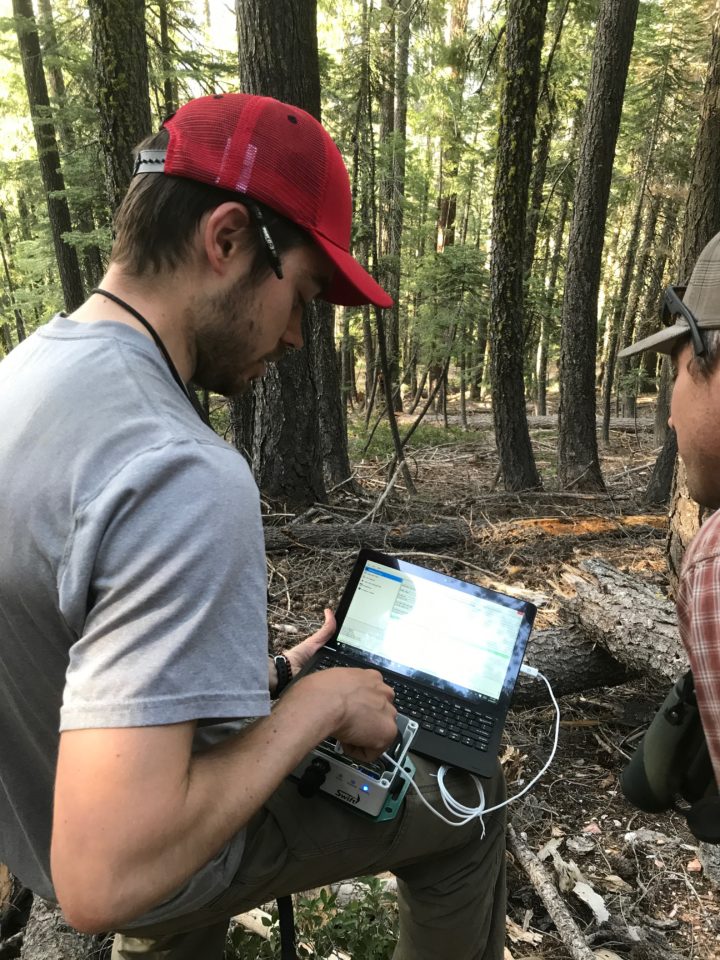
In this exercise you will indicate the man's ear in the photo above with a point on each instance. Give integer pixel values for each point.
(224, 235)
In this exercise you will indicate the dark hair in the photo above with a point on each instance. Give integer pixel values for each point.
(157, 219)
(705, 364)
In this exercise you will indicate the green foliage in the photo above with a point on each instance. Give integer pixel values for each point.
(451, 288)
(454, 84)
(366, 929)
(427, 435)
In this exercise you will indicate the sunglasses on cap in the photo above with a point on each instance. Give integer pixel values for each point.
(270, 248)
(673, 306)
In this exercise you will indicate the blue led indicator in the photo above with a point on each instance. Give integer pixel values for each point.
(365, 788)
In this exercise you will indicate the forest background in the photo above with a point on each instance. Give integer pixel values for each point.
(527, 176)
(522, 246)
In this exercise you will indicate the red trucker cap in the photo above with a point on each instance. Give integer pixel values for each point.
(281, 156)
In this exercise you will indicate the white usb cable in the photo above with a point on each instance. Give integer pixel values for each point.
(466, 814)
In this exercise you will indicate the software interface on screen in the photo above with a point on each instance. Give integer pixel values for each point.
(461, 638)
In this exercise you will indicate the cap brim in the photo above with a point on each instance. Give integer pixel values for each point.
(352, 285)
(663, 341)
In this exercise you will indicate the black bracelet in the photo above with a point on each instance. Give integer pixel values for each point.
(284, 673)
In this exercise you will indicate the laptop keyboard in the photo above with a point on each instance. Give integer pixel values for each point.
(443, 717)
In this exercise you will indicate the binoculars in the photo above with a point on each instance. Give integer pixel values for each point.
(672, 764)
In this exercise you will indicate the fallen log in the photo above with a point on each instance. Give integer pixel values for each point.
(629, 617)
(48, 936)
(572, 662)
(377, 536)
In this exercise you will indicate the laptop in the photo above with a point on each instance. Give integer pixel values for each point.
(451, 650)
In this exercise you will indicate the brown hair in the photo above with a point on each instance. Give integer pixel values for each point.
(157, 219)
(705, 364)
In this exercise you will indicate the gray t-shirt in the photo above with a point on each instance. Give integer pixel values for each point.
(132, 572)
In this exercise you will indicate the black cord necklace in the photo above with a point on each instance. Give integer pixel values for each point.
(192, 399)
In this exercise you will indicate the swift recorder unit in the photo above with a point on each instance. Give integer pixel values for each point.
(376, 788)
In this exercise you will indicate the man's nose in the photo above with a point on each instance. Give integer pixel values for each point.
(292, 339)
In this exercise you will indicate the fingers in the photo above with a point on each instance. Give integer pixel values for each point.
(299, 655)
(369, 722)
(322, 635)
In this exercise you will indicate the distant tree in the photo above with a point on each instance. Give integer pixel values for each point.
(524, 40)
(92, 259)
(47, 149)
(578, 463)
(395, 109)
(120, 59)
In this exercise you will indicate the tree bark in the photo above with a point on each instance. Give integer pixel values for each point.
(300, 401)
(524, 38)
(48, 936)
(396, 211)
(629, 307)
(421, 536)
(327, 382)
(647, 320)
(660, 482)
(631, 366)
(120, 60)
(578, 463)
(572, 661)
(548, 325)
(542, 147)
(287, 450)
(452, 134)
(686, 517)
(628, 617)
(169, 91)
(48, 157)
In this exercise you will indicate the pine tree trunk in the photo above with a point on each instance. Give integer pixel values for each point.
(48, 157)
(542, 148)
(169, 91)
(524, 39)
(624, 365)
(396, 211)
(616, 318)
(299, 401)
(120, 60)
(631, 367)
(452, 134)
(578, 463)
(647, 322)
(326, 377)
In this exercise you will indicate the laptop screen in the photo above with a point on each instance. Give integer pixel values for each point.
(457, 636)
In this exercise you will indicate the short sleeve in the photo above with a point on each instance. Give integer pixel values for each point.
(163, 583)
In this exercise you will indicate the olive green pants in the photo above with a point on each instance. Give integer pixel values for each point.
(451, 880)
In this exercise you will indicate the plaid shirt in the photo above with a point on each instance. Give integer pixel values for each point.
(698, 606)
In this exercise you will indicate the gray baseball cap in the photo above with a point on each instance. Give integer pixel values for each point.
(702, 298)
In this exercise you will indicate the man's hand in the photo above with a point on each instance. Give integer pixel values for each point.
(300, 654)
(366, 724)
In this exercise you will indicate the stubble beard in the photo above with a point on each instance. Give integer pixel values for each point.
(225, 332)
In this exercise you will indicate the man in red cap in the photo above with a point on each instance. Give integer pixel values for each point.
(692, 340)
(132, 580)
